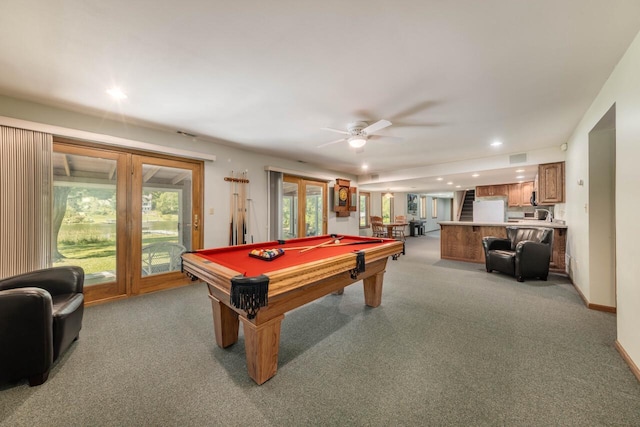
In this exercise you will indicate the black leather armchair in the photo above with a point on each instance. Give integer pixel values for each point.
(525, 253)
(40, 316)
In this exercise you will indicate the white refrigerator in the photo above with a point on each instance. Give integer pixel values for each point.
(489, 211)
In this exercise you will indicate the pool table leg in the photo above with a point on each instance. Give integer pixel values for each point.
(225, 323)
(261, 347)
(373, 289)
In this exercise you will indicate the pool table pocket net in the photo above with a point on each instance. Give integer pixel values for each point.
(250, 293)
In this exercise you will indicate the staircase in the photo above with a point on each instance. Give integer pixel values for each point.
(467, 206)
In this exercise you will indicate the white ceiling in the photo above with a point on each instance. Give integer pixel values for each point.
(452, 76)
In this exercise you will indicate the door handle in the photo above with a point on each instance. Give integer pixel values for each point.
(196, 222)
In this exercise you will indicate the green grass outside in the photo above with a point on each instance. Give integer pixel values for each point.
(92, 245)
(100, 256)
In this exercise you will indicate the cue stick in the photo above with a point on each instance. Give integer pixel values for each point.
(231, 224)
(235, 209)
(239, 209)
(330, 246)
(322, 244)
(243, 212)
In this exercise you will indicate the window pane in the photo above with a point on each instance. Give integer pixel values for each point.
(289, 210)
(313, 214)
(387, 207)
(166, 218)
(84, 215)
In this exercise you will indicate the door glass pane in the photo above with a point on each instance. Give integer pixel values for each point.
(364, 209)
(84, 215)
(387, 208)
(166, 218)
(313, 210)
(289, 210)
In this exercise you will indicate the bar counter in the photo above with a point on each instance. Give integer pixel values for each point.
(462, 240)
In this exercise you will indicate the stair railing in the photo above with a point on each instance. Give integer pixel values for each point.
(460, 203)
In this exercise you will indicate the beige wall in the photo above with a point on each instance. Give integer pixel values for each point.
(623, 90)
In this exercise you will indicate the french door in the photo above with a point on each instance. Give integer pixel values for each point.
(124, 217)
(304, 207)
(166, 220)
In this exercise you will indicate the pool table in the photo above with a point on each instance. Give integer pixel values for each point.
(258, 292)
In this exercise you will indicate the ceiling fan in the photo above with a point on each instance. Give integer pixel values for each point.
(357, 133)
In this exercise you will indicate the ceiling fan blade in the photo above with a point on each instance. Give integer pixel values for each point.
(332, 142)
(336, 130)
(380, 124)
(390, 137)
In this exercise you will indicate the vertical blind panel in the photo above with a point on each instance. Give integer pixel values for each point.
(25, 200)
(275, 180)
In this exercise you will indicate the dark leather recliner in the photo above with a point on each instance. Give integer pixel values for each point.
(525, 253)
(40, 316)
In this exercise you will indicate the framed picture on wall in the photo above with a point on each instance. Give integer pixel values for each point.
(412, 204)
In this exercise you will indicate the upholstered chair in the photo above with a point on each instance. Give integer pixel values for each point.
(40, 316)
(525, 253)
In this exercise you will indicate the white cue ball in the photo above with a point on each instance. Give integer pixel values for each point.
(337, 242)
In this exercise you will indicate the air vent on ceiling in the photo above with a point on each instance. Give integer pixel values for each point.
(375, 177)
(517, 158)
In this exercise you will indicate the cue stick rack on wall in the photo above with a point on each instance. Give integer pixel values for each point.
(238, 218)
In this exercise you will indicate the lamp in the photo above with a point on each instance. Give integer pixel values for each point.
(357, 141)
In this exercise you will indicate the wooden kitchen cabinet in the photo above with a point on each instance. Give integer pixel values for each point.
(520, 194)
(515, 195)
(492, 190)
(551, 183)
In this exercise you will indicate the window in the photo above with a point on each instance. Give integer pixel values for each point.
(434, 208)
(387, 208)
(365, 203)
(304, 210)
(423, 207)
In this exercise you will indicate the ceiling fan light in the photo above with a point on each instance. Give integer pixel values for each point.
(357, 141)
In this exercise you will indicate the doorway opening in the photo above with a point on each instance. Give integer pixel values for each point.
(602, 213)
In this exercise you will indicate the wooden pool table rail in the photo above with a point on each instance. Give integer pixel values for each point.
(289, 288)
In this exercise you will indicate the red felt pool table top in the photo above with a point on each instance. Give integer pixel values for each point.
(237, 257)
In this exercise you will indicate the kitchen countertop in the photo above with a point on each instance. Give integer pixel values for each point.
(524, 223)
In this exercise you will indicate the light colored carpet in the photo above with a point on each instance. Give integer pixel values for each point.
(450, 345)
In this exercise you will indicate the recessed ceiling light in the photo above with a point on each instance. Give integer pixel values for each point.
(365, 166)
(449, 183)
(457, 186)
(117, 93)
(496, 143)
(519, 170)
(475, 175)
(438, 179)
(520, 177)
